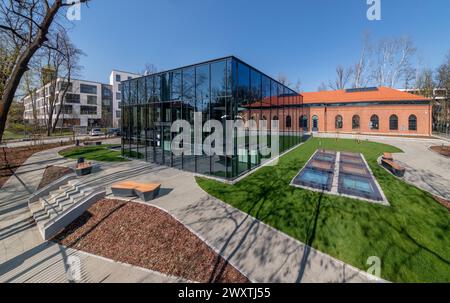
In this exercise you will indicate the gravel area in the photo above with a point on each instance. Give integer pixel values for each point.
(148, 237)
(53, 173)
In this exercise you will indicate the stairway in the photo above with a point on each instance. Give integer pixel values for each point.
(56, 203)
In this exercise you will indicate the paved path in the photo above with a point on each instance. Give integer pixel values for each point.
(24, 257)
(425, 168)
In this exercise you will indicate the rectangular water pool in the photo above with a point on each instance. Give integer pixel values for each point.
(358, 186)
(315, 178)
(326, 157)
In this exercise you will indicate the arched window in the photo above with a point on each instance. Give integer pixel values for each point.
(393, 122)
(412, 122)
(303, 122)
(264, 118)
(288, 122)
(374, 122)
(356, 122)
(275, 118)
(339, 123)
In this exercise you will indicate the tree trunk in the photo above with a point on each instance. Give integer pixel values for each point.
(22, 64)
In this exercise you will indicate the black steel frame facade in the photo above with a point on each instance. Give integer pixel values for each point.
(221, 89)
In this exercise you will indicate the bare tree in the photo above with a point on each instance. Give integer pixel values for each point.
(342, 78)
(393, 61)
(28, 26)
(298, 85)
(360, 69)
(322, 87)
(149, 69)
(283, 79)
(443, 82)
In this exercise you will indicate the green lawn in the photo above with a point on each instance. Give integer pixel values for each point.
(411, 237)
(94, 153)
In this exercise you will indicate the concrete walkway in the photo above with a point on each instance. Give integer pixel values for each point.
(424, 168)
(24, 257)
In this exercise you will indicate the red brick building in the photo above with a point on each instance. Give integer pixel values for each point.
(379, 111)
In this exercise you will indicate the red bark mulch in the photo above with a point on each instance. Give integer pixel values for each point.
(148, 237)
(13, 158)
(53, 173)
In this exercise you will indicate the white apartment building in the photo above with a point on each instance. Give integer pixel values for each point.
(86, 104)
(115, 80)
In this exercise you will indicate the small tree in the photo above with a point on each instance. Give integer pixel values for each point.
(27, 25)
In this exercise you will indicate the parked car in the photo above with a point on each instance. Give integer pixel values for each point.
(96, 132)
(113, 132)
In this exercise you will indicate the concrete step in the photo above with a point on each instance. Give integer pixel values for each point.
(58, 201)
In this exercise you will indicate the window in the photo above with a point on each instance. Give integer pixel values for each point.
(339, 123)
(118, 114)
(356, 122)
(304, 122)
(119, 87)
(64, 85)
(106, 91)
(92, 100)
(118, 96)
(88, 110)
(412, 123)
(88, 89)
(393, 122)
(72, 98)
(118, 79)
(275, 118)
(374, 122)
(67, 109)
(129, 78)
(288, 122)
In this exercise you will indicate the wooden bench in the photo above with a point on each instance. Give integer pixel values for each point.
(388, 156)
(395, 168)
(83, 169)
(145, 191)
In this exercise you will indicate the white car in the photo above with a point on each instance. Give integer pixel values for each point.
(96, 132)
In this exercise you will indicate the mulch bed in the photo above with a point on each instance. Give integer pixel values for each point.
(146, 236)
(13, 158)
(444, 202)
(443, 150)
(53, 173)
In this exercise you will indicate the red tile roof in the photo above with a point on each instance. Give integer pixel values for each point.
(382, 94)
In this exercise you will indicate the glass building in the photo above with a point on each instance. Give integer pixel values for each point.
(222, 89)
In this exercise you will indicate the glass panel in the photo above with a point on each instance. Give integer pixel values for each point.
(175, 85)
(218, 112)
(202, 96)
(142, 93)
(189, 161)
(150, 88)
(240, 157)
(165, 87)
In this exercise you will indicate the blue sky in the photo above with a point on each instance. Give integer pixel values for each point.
(303, 39)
